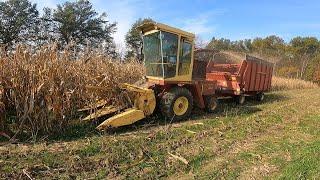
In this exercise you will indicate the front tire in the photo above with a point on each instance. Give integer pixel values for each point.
(177, 104)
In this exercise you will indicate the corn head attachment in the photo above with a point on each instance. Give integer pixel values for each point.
(142, 104)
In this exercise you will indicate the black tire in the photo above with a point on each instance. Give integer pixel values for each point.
(240, 99)
(211, 103)
(260, 96)
(168, 100)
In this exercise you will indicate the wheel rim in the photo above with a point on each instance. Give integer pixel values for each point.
(180, 106)
(262, 97)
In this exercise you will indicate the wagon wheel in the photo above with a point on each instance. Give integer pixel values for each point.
(260, 96)
(211, 103)
(240, 99)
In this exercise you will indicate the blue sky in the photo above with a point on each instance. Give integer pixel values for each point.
(233, 19)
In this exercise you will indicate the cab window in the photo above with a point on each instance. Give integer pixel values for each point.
(152, 54)
(169, 50)
(185, 58)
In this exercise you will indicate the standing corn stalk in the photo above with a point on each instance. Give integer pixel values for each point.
(3, 124)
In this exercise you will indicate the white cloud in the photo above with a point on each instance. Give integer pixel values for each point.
(124, 12)
(202, 24)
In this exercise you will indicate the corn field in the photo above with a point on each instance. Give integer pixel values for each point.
(280, 84)
(40, 91)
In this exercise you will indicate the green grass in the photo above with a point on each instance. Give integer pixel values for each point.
(305, 163)
(90, 150)
(277, 139)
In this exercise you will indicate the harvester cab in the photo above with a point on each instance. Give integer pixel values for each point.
(168, 53)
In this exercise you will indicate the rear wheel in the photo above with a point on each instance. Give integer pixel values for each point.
(211, 104)
(240, 99)
(260, 96)
(177, 104)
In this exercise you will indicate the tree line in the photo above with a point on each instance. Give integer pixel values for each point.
(74, 23)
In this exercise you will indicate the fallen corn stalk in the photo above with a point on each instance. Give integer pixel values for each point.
(179, 158)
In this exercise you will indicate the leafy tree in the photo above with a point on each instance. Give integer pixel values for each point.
(270, 46)
(313, 69)
(220, 44)
(78, 22)
(200, 43)
(110, 49)
(304, 49)
(227, 44)
(134, 39)
(45, 30)
(18, 19)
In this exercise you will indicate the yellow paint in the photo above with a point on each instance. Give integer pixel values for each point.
(144, 99)
(128, 117)
(151, 32)
(179, 78)
(153, 27)
(180, 106)
(102, 112)
(159, 26)
(144, 104)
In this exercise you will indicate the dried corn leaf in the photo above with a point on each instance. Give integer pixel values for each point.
(99, 104)
(179, 158)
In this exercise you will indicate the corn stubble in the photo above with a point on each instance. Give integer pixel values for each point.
(43, 89)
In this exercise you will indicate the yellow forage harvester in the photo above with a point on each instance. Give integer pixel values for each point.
(179, 77)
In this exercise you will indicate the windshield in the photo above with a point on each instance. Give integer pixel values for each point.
(152, 54)
(160, 63)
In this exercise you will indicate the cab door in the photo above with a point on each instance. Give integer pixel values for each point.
(185, 57)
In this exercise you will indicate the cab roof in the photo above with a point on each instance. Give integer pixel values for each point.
(150, 26)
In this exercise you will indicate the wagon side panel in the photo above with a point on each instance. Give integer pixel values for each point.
(263, 75)
(267, 78)
(253, 76)
(270, 77)
(247, 76)
(258, 77)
